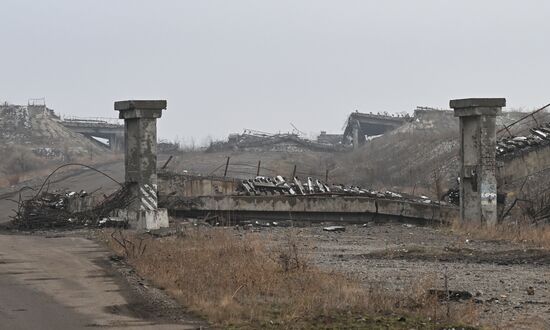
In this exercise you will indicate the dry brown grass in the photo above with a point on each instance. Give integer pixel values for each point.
(233, 281)
(244, 164)
(523, 232)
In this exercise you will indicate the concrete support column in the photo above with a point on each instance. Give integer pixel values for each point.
(140, 121)
(355, 138)
(478, 185)
(116, 143)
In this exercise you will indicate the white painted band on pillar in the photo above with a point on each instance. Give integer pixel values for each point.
(148, 197)
(151, 198)
(146, 206)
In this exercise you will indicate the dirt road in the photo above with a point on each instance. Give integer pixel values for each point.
(23, 308)
(65, 281)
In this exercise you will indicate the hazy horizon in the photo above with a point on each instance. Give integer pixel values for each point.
(228, 65)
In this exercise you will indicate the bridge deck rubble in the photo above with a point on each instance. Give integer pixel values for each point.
(538, 137)
(106, 128)
(273, 198)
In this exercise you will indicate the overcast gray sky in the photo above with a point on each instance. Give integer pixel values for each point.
(228, 65)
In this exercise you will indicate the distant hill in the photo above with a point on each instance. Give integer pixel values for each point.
(32, 137)
(407, 156)
(417, 155)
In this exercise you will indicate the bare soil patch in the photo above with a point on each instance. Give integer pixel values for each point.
(531, 257)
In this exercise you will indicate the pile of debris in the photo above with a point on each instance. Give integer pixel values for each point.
(49, 210)
(255, 141)
(540, 136)
(167, 147)
(278, 185)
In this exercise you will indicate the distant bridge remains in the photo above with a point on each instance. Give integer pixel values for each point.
(360, 125)
(111, 129)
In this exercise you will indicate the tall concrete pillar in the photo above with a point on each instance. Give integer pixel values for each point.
(478, 184)
(140, 122)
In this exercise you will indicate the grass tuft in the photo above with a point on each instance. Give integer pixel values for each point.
(521, 232)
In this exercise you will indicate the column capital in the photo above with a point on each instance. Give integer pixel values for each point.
(132, 109)
(477, 106)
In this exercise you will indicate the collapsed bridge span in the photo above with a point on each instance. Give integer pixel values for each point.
(105, 128)
(311, 208)
(276, 199)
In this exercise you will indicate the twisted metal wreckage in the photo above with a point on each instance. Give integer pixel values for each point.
(52, 210)
(70, 209)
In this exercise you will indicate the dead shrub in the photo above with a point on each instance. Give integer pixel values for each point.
(289, 257)
(21, 160)
(130, 248)
(13, 179)
(522, 231)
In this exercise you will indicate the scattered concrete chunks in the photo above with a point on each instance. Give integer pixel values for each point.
(334, 228)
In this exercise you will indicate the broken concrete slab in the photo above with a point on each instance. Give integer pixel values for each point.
(334, 228)
(153, 219)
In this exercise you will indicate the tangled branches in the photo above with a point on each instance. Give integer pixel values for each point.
(51, 210)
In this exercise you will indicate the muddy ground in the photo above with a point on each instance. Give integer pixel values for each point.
(508, 282)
